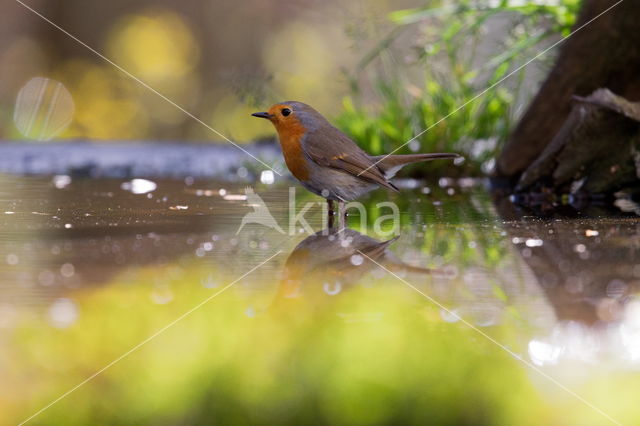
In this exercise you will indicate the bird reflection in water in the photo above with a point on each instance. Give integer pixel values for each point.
(331, 261)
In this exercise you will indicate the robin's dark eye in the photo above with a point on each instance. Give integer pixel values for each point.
(285, 111)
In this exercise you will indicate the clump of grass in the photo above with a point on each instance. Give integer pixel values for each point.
(454, 63)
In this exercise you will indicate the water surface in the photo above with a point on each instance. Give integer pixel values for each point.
(477, 313)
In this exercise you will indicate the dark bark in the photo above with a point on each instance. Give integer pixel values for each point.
(606, 53)
(597, 147)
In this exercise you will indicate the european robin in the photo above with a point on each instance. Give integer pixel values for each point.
(326, 161)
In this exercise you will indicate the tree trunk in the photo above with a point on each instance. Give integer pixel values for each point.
(604, 54)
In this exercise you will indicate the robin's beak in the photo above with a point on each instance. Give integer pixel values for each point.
(262, 115)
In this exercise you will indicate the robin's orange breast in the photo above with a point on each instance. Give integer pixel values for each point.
(290, 139)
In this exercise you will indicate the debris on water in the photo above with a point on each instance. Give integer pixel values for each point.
(235, 197)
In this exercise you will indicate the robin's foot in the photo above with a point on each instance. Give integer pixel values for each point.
(331, 214)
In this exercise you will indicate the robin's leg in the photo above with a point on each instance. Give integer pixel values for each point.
(331, 214)
(342, 215)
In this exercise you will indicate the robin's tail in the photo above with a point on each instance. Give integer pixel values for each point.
(390, 164)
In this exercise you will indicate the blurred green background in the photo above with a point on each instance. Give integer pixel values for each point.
(383, 71)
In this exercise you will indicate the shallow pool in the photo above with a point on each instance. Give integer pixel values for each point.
(151, 302)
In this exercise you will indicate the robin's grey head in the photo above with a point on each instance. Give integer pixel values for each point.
(289, 113)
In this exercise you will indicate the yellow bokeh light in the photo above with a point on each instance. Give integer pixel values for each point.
(104, 107)
(158, 47)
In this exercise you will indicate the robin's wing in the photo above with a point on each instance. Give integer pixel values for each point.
(330, 147)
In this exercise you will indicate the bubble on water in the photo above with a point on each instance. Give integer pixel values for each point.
(243, 172)
(543, 353)
(356, 260)
(616, 288)
(534, 242)
(449, 315)
(67, 270)
(267, 177)
(332, 290)
(61, 181)
(139, 186)
(488, 166)
(444, 182)
(162, 295)
(63, 313)
(209, 282)
(12, 259)
(46, 278)
(43, 109)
